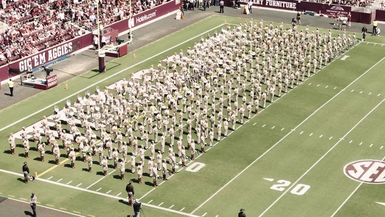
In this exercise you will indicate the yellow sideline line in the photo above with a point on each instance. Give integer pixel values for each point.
(52, 168)
(60, 163)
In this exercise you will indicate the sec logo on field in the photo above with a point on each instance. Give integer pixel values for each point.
(366, 171)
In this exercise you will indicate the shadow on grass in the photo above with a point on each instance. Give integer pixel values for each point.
(107, 69)
(21, 180)
(100, 173)
(7, 152)
(28, 213)
(149, 184)
(117, 177)
(123, 202)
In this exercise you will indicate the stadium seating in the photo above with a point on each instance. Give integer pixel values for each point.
(32, 26)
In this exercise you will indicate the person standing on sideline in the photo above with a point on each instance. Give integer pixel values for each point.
(12, 143)
(375, 24)
(27, 177)
(364, 30)
(221, 6)
(137, 206)
(293, 22)
(33, 203)
(11, 84)
(298, 18)
(130, 192)
(250, 5)
(242, 213)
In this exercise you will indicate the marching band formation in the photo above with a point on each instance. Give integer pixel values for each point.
(156, 122)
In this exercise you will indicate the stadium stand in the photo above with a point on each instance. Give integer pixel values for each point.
(28, 27)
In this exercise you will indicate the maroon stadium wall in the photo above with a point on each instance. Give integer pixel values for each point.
(51, 54)
(4, 72)
(46, 56)
(64, 49)
(146, 16)
(380, 15)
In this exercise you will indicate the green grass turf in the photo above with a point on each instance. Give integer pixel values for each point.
(289, 160)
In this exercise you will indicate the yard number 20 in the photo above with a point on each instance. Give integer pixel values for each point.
(299, 189)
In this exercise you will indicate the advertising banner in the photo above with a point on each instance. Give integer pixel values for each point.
(281, 4)
(145, 16)
(51, 54)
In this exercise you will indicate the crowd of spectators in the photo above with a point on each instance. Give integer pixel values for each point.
(84, 13)
(29, 26)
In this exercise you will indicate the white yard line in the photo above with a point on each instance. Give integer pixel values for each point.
(47, 207)
(150, 191)
(97, 181)
(348, 198)
(344, 57)
(321, 158)
(99, 193)
(108, 77)
(376, 43)
(284, 137)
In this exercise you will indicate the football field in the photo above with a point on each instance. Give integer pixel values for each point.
(296, 158)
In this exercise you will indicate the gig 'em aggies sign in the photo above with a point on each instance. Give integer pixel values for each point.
(44, 57)
(366, 171)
